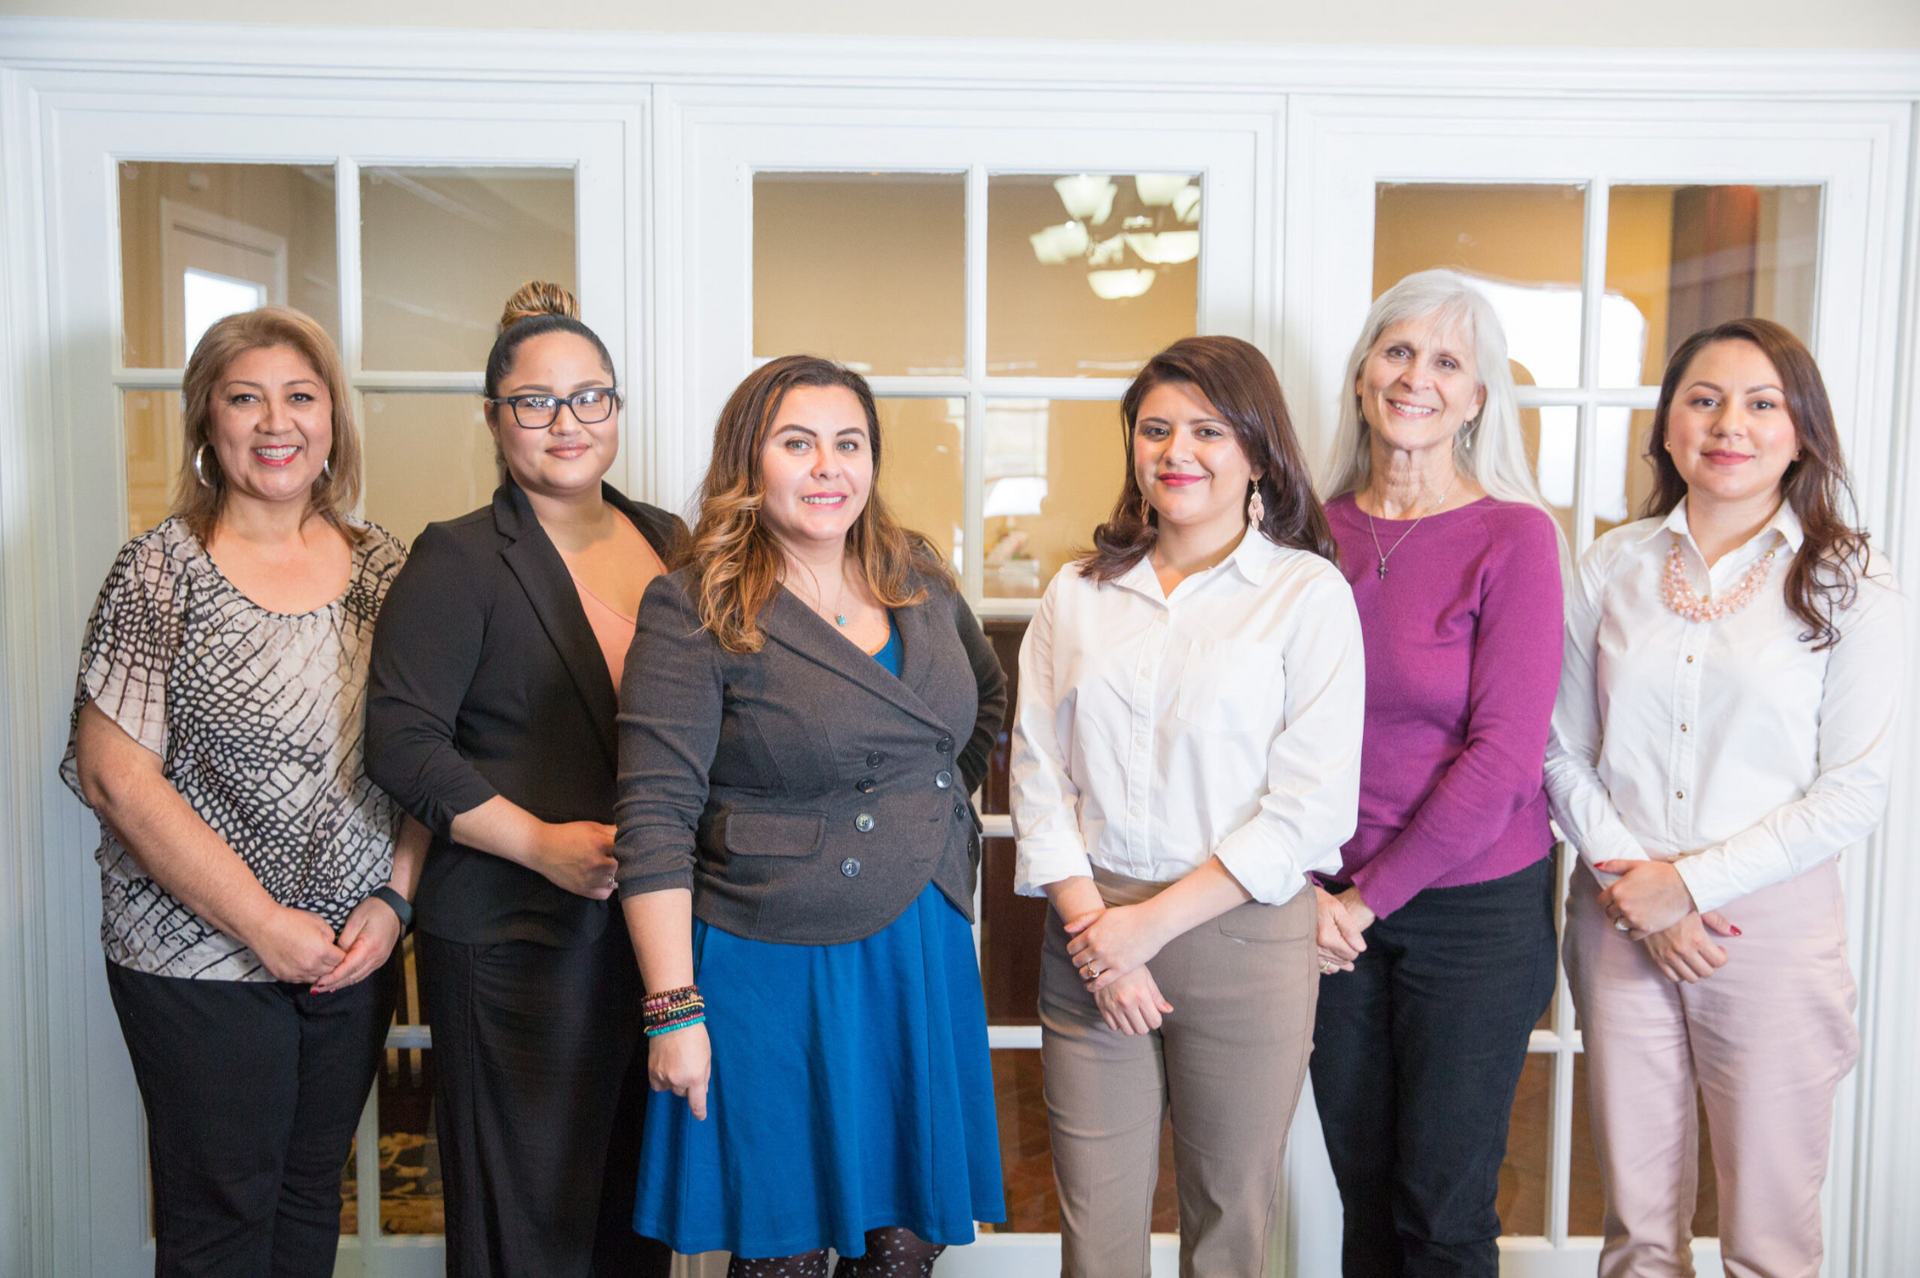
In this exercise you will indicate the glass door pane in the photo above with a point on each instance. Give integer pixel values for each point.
(441, 249)
(1089, 274)
(1689, 257)
(865, 268)
(201, 241)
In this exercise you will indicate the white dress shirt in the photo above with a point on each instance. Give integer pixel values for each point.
(1729, 746)
(1155, 732)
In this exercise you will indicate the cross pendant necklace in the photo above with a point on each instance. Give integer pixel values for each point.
(1383, 555)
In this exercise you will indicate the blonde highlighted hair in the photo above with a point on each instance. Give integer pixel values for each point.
(200, 497)
(734, 564)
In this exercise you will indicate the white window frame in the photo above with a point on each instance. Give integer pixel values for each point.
(1342, 149)
(72, 91)
(592, 145)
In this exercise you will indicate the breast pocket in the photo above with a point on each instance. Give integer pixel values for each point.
(1229, 685)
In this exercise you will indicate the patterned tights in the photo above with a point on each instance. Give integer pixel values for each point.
(893, 1252)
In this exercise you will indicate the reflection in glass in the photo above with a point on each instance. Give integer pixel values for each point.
(1552, 436)
(1625, 478)
(923, 467)
(1053, 471)
(1026, 1152)
(1088, 275)
(428, 457)
(1689, 257)
(201, 241)
(866, 268)
(1587, 1199)
(441, 249)
(1522, 1200)
(154, 431)
(1520, 244)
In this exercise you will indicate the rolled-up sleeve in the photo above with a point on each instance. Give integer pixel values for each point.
(1311, 805)
(1046, 820)
(671, 698)
(426, 647)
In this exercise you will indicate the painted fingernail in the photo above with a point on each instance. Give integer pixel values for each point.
(1736, 931)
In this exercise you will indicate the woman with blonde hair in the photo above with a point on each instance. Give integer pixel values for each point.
(1727, 725)
(254, 882)
(807, 705)
(1437, 931)
(496, 671)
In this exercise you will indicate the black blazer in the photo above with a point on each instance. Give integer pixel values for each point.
(486, 679)
(804, 794)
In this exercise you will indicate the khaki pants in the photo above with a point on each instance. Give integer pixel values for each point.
(1229, 1061)
(1767, 1039)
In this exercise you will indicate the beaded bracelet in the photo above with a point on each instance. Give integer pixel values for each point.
(672, 1009)
(698, 1018)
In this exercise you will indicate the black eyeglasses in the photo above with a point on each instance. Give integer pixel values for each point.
(538, 412)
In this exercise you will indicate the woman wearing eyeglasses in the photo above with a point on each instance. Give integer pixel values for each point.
(491, 719)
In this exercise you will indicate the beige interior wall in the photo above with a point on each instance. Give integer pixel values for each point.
(1705, 24)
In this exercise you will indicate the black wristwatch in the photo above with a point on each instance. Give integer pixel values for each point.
(398, 904)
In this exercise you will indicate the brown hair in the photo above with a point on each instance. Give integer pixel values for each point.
(1824, 576)
(1238, 381)
(732, 560)
(337, 490)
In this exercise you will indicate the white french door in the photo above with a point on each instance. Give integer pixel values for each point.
(744, 160)
(104, 380)
(1355, 166)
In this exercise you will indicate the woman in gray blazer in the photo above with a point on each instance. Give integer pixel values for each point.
(807, 705)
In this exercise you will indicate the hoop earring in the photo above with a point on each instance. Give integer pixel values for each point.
(198, 472)
(326, 470)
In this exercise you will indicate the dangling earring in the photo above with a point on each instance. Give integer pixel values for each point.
(1256, 509)
(199, 473)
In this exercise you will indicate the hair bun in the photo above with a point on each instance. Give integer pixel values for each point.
(538, 297)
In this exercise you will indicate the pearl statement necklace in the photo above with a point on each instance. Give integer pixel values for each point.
(1679, 595)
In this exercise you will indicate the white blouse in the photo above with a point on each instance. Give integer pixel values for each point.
(1730, 745)
(1155, 732)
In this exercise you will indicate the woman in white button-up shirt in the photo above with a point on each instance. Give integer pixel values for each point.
(1186, 749)
(1724, 729)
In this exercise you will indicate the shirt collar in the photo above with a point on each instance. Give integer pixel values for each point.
(1784, 522)
(1253, 558)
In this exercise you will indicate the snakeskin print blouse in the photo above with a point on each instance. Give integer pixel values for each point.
(257, 719)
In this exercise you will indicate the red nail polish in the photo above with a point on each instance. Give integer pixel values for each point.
(1731, 928)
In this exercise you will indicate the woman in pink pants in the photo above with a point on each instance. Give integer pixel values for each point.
(1725, 727)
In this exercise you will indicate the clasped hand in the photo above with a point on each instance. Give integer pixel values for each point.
(1107, 944)
(1343, 920)
(1649, 897)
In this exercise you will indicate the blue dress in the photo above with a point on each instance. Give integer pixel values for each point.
(851, 1090)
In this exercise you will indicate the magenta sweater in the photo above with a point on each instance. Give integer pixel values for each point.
(1463, 641)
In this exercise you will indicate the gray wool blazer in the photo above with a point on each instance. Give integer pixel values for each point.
(804, 794)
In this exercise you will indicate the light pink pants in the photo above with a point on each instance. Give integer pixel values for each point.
(1767, 1039)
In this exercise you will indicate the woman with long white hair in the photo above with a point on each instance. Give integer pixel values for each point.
(1436, 937)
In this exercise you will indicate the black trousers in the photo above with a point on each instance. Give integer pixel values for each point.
(252, 1090)
(1416, 1056)
(541, 1090)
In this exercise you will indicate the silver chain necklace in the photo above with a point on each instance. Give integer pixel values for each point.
(1384, 554)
